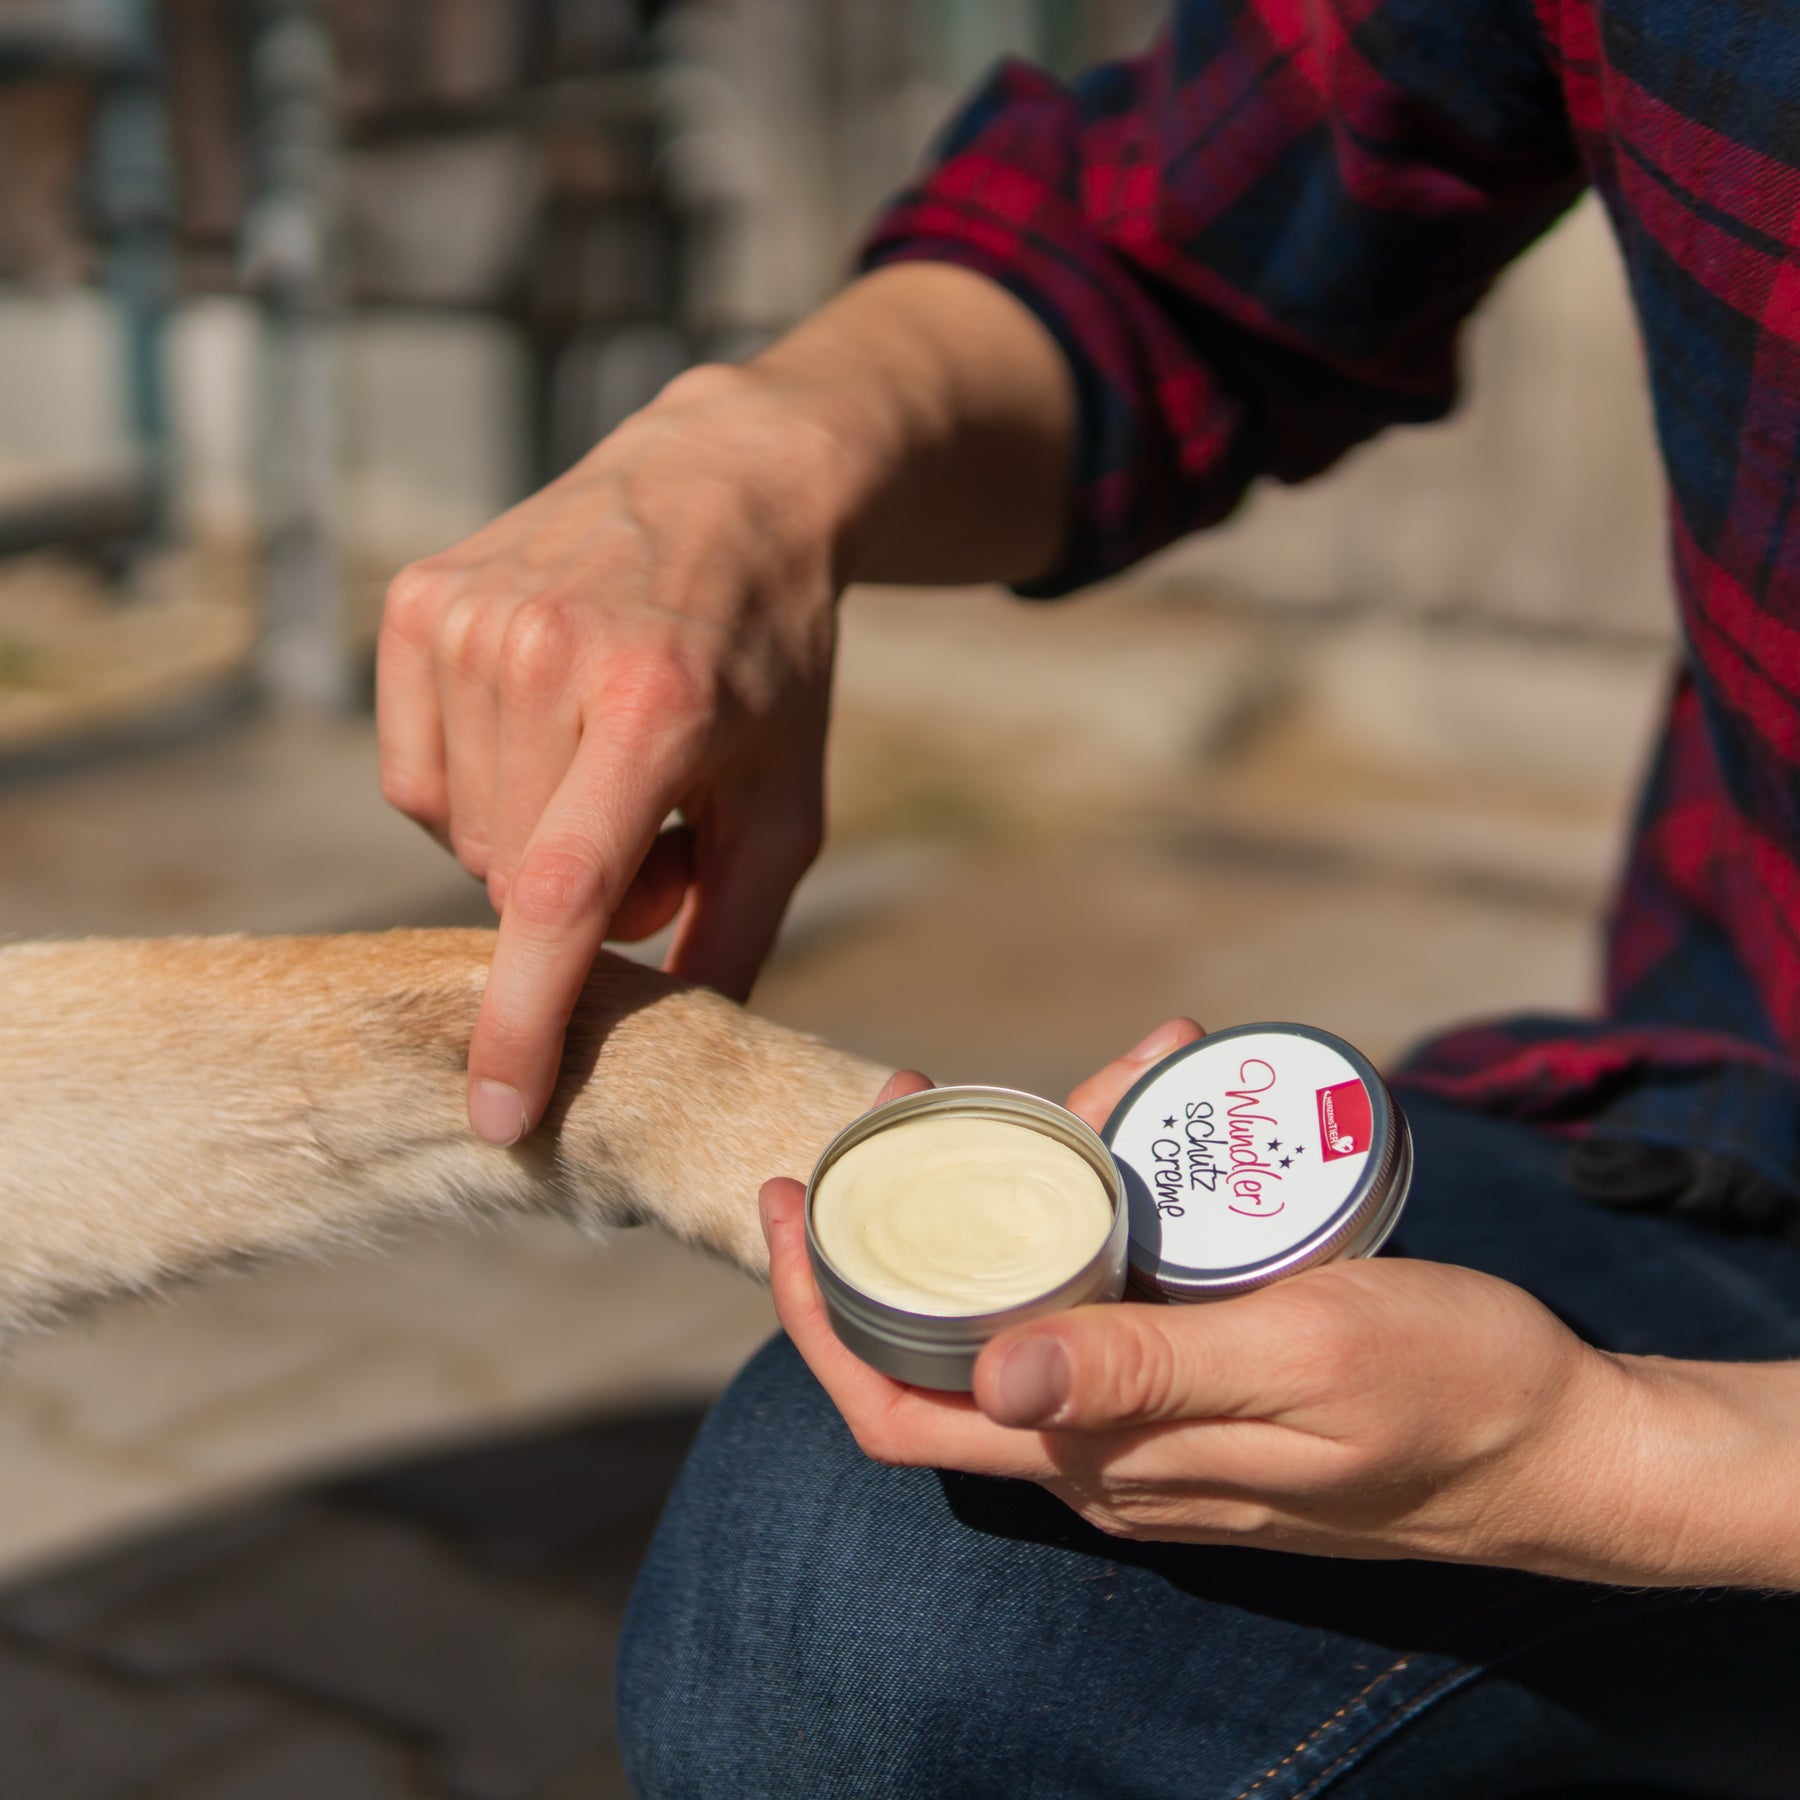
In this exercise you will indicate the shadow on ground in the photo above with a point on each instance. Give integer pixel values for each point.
(443, 1629)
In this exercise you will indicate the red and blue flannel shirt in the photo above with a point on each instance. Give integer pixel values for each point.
(1257, 244)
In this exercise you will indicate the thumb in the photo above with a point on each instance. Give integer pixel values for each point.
(1100, 1368)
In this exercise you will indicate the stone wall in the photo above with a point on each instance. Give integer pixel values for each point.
(1537, 507)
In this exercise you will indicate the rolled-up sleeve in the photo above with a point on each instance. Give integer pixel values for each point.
(1255, 244)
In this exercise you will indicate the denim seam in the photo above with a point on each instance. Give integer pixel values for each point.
(1313, 1736)
(1445, 1684)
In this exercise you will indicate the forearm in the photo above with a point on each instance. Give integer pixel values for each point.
(950, 414)
(172, 1107)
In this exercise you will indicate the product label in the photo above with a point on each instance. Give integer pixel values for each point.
(1241, 1150)
(1345, 1120)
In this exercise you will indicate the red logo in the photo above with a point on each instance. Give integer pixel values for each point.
(1345, 1122)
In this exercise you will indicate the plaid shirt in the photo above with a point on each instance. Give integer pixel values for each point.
(1257, 244)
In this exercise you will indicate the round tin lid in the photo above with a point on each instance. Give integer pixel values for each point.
(1253, 1153)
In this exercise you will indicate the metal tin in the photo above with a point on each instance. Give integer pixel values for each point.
(938, 1351)
(1255, 1153)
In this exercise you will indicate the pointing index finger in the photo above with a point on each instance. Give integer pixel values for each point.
(573, 874)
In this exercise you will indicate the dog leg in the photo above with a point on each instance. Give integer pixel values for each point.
(171, 1107)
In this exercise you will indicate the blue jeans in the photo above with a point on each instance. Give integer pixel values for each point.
(809, 1624)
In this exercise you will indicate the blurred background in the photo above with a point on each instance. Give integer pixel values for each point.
(293, 292)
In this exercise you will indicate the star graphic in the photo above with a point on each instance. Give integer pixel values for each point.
(1169, 1123)
(1299, 1149)
(1287, 1162)
(1274, 1143)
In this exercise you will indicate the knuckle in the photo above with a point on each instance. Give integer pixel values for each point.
(465, 636)
(881, 1434)
(1367, 1463)
(418, 796)
(1333, 1329)
(1142, 1373)
(1240, 1518)
(1154, 1518)
(536, 648)
(509, 1041)
(661, 687)
(1312, 1340)
(412, 600)
(876, 1443)
(704, 383)
(1112, 1521)
(471, 851)
(555, 884)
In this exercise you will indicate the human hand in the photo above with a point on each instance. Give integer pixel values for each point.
(652, 632)
(1369, 1408)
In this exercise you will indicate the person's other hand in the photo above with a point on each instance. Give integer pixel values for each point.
(653, 632)
(1368, 1408)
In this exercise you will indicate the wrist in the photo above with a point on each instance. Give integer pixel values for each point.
(821, 449)
(1662, 1473)
(1714, 1470)
(949, 413)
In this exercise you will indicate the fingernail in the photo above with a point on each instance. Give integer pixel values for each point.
(1159, 1043)
(762, 1211)
(497, 1113)
(1032, 1386)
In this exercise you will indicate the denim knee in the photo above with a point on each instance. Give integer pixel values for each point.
(763, 1653)
(810, 1623)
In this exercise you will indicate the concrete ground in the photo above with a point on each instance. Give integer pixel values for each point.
(440, 1630)
(1051, 831)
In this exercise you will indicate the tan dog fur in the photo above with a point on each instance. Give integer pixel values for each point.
(175, 1106)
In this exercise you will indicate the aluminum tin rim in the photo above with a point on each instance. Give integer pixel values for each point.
(952, 1332)
(1359, 1226)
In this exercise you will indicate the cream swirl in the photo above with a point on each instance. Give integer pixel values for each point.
(953, 1216)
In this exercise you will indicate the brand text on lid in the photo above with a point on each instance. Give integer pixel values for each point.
(1191, 1162)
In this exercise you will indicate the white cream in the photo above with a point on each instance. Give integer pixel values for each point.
(954, 1216)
